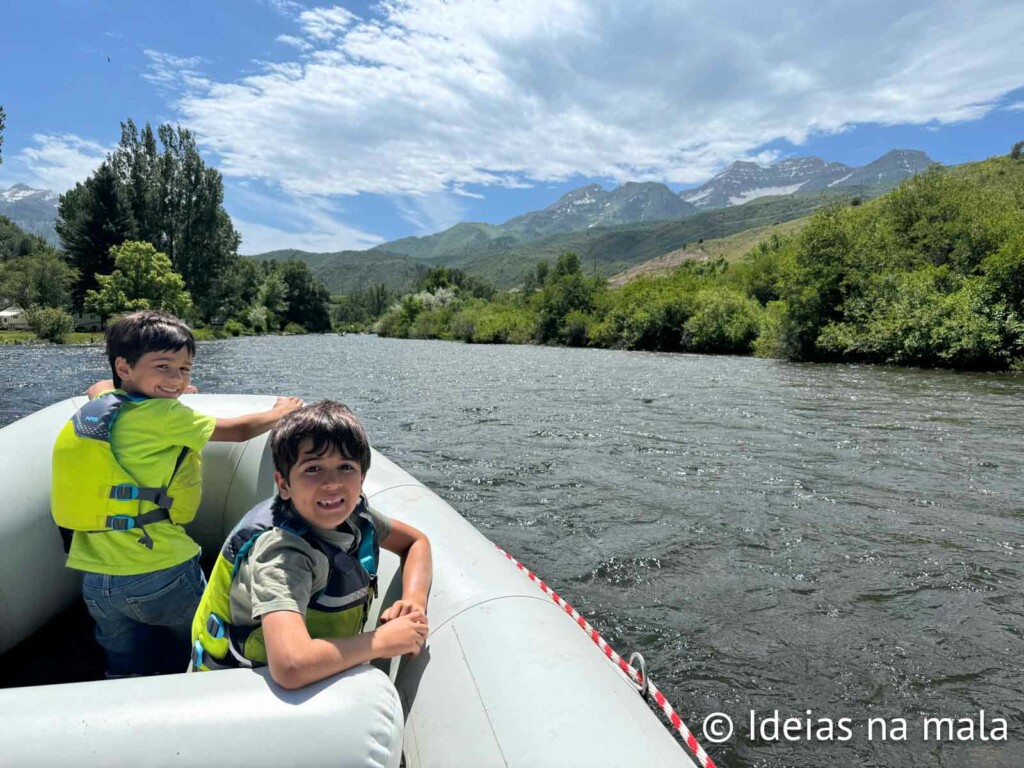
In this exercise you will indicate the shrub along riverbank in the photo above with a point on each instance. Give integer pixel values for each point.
(929, 275)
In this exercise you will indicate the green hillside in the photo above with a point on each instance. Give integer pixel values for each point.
(462, 237)
(614, 249)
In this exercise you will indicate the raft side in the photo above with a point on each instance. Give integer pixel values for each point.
(34, 584)
(504, 666)
(233, 717)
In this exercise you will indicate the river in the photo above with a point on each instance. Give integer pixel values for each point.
(843, 540)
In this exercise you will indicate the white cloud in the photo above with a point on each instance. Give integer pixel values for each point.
(285, 7)
(325, 24)
(58, 162)
(432, 212)
(1015, 107)
(174, 72)
(260, 238)
(294, 42)
(313, 224)
(430, 96)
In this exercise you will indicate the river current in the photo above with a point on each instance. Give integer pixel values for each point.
(821, 542)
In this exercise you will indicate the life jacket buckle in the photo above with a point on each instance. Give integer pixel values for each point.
(121, 522)
(215, 626)
(197, 655)
(124, 492)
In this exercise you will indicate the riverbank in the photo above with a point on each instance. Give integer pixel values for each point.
(97, 337)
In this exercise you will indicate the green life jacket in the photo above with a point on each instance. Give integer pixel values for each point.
(91, 491)
(338, 610)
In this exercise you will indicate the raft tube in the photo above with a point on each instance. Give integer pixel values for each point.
(505, 678)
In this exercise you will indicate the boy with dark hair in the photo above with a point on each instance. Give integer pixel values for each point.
(127, 476)
(293, 583)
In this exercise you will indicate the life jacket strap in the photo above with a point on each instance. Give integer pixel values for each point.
(131, 522)
(129, 492)
(218, 628)
(200, 659)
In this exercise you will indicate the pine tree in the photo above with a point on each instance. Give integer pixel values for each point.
(3, 123)
(91, 219)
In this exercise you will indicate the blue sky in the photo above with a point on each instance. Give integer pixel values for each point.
(343, 126)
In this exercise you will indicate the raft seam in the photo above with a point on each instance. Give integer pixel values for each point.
(484, 602)
(480, 698)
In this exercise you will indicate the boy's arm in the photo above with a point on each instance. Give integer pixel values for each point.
(413, 547)
(242, 428)
(295, 659)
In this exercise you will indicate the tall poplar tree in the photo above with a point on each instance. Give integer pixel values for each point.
(177, 203)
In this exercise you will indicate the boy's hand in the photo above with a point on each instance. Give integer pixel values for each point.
(191, 389)
(285, 405)
(401, 635)
(105, 385)
(399, 608)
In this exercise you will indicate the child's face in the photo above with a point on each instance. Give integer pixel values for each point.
(156, 374)
(324, 488)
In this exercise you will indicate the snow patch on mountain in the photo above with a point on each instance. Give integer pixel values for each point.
(753, 194)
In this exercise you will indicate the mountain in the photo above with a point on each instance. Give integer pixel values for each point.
(34, 210)
(592, 206)
(890, 169)
(609, 250)
(742, 182)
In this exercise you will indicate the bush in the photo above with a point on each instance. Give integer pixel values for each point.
(50, 324)
(234, 328)
(725, 321)
(576, 323)
(295, 329)
(496, 323)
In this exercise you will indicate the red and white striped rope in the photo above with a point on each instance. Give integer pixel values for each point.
(622, 664)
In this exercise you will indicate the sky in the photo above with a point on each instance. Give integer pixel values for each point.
(344, 126)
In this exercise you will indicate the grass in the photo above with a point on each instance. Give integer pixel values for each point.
(27, 337)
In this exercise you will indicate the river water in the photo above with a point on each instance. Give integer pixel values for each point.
(771, 536)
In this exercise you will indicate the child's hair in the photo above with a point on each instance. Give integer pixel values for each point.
(327, 424)
(148, 330)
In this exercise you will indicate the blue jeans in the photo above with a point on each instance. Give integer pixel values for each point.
(126, 608)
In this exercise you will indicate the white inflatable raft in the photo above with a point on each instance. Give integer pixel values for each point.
(505, 679)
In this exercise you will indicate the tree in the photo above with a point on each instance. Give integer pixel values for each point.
(1015, 154)
(167, 198)
(92, 218)
(50, 323)
(40, 279)
(272, 297)
(195, 230)
(142, 279)
(308, 300)
(15, 242)
(3, 123)
(239, 286)
(136, 161)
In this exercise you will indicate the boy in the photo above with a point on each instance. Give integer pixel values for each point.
(295, 578)
(127, 476)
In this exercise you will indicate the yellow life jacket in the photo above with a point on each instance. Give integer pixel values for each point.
(338, 610)
(91, 491)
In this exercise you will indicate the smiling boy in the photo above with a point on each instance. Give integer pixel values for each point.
(292, 586)
(127, 476)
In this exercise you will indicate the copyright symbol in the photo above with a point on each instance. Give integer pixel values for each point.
(717, 727)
